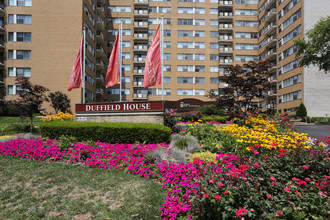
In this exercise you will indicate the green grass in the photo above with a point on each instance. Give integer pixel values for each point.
(6, 119)
(40, 190)
(12, 125)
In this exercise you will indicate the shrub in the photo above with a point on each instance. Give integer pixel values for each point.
(301, 111)
(221, 119)
(170, 119)
(107, 132)
(60, 102)
(190, 116)
(10, 109)
(211, 110)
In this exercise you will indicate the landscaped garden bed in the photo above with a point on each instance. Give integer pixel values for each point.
(260, 170)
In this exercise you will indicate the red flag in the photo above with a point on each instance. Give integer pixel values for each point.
(153, 67)
(76, 76)
(112, 76)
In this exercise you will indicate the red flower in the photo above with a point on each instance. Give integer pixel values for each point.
(256, 165)
(274, 144)
(217, 197)
(302, 184)
(258, 145)
(266, 157)
(279, 213)
(305, 167)
(206, 195)
(272, 179)
(241, 212)
(274, 183)
(220, 184)
(252, 148)
(282, 150)
(226, 192)
(269, 196)
(283, 154)
(255, 152)
(308, 179)
(287, 190)
(196, 160)
(327, 177)
(211, 181)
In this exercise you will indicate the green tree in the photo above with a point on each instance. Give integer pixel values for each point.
(246, 84)
(316, 48)
(301, 111)
(60, 102)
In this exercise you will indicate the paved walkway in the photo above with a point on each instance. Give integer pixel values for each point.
(315, 131)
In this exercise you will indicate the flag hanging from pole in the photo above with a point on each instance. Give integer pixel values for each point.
(153, 67)
(112, 76)
(76, 73)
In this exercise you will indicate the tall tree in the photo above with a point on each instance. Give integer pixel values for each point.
(30, 98)
(246, 84)
(60, 102)
(316, 48)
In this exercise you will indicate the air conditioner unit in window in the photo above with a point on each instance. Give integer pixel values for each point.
(184, 35)
(185, 70)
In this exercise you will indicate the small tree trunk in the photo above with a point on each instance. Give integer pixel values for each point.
(31, 125)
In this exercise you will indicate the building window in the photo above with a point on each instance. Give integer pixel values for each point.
(214, 69)
(290, 81)
(166, 56)
(288, 52)
(19, 54)
(185, 21)
(19, 72)
(287, 8)
(89, 94)
(246, 58)
(246, 35)
(185, 80)
(185, 56)
(214, 23)
(214, 57)
(246, 46)
(117, 20)
(167, 79)
(185, 68)
(19, 36)
(189, 45)
(289, 36)
(126, 56)
(252, 2)
(214, 11)
(119, 9)
(19, 19)
(199, 68)
(289, 97)
(126, 67)
(289, 21)
(214, 46)
(14, 89)
(288, 67)
(214, 34)
(89, 79)
(167, 68)
(214, 80)
(125, 79)
(246, 12)
(20, 3)
(246, 23)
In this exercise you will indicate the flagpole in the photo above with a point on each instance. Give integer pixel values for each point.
(120, 56)
(83, 62)
(162, 52)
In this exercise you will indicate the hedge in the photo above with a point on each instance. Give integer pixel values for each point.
(221, 119)
(107, 132)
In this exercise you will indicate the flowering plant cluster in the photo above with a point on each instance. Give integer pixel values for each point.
(59, 117)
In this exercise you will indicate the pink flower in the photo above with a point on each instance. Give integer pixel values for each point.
(274, 183)
(226, 192)
(305, 167)
(206, 195)
(256, 165)
(327, 177)
(220, 184)
(287, 190)
(258, 145)
(272, 179)
(269, 196)
(241, 212)
(308, 179)
(217, 197)
(279, 213)
(266, 157)
(255, 152)
(261, 179)
(252, 148)
(211, 181)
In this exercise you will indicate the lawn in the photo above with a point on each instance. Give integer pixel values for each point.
(41, 190)
(13, 125)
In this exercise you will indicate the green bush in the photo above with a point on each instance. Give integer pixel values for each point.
(210, 110)
(301, 111)
(10, 109)
(190, 116)
(107, 132)
(221, 119)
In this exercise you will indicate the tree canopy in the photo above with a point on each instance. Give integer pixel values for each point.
(316, 46)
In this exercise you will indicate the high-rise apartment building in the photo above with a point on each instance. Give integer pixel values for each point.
(201, 39)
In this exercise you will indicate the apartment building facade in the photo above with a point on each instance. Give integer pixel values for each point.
(201, 39)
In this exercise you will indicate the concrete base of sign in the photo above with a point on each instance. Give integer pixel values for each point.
(133, 117)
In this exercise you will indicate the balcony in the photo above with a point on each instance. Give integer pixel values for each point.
(270, 42)
(270, 15)
(100, 91)
(225, 26)
(225, 16)
(141, 2)
(100, 65)
(100, 77)
(139, 60)
(271, 106)
(273, 68)
(225, 38)
(225, 50)
(138, 72)
(226, 4)
(223, 85)
(226, 62)
(140, 48)
(100, 10)
(138, 84)
(269, 4)
(141, 25)
(141, 13)
(270, 28)
(140, 37)
(140, 96)
(271, 93)
(2, 44)
(100, 37)
(2, 10)
(100, 51)
(100, 23)
(272, 79)
(271, 54)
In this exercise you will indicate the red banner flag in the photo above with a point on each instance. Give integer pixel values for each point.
(153, 67)
(76, 75)
(112, 76)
